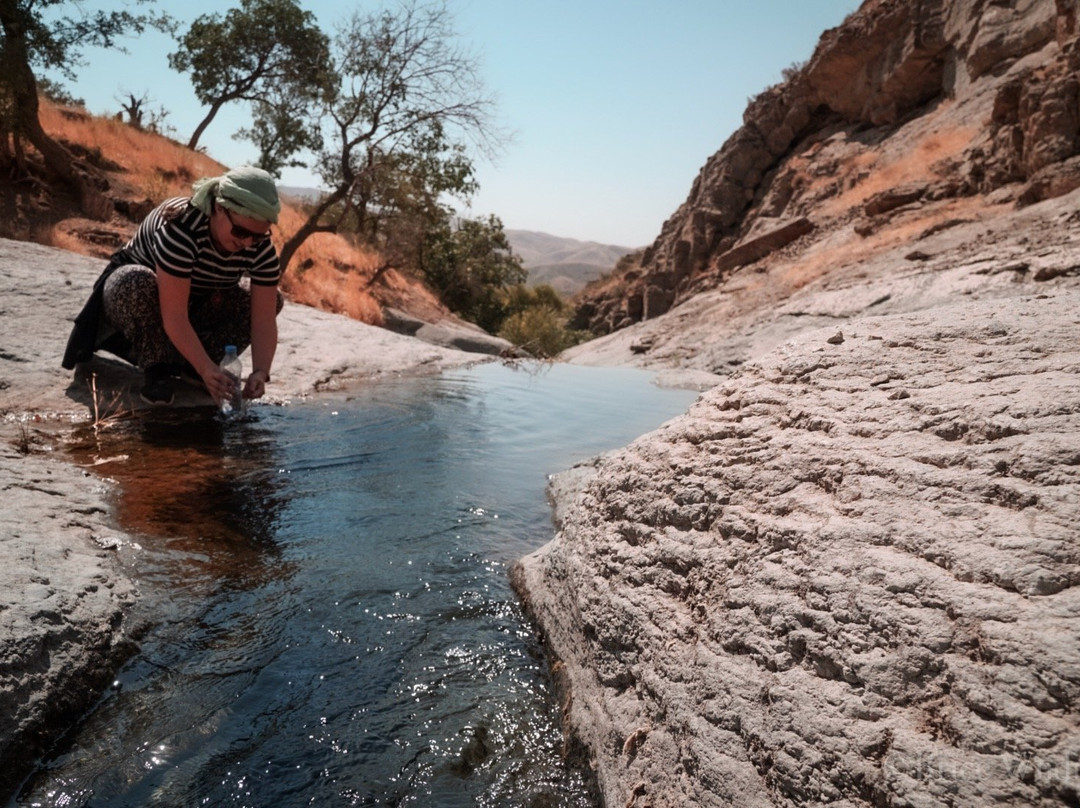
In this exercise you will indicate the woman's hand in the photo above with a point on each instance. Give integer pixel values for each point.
(256, 384)
(219, 384)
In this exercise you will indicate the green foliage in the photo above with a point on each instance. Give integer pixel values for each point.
(541, 331)
(409, 99)
(519, 298)
(536, 321)
(400, 194)
(470, 267)
(58, 93)
(56, 42)
(270, 53)
(281, 131)
(42, 35)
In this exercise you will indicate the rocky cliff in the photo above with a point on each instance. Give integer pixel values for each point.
(940, 105)
(848, 575)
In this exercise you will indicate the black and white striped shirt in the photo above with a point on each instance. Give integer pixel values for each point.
(175, 238)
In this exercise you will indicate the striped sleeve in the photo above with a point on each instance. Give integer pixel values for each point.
(265, 269)
(175, 248)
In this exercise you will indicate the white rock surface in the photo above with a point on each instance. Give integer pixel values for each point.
(847, 575)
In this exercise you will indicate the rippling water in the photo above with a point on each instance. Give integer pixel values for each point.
(327, 585)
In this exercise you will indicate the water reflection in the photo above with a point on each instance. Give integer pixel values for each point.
(204, 499)
(196, 488)
(333, 619)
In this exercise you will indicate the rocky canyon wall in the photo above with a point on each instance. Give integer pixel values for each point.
(1001, 74)
(850, 574)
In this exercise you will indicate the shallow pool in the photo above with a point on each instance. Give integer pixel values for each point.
(327, 587)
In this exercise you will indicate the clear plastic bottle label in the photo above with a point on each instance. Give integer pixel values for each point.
(232, 365)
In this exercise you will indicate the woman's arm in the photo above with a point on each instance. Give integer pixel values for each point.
(173, 295)
(264, 337)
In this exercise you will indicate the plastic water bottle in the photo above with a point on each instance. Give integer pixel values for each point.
(232, 365)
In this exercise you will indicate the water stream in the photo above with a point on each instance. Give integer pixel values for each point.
(327, 587)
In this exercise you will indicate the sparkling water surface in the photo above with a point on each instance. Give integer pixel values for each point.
(326, 588)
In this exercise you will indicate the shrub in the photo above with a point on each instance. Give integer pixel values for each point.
(792, 70)
(540, 330)
(471, 267)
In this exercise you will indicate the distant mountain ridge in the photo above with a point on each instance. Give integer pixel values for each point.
(565, 264)
(301, 194)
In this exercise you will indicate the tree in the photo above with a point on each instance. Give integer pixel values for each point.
(522, 298)
(281, 131)
(32, 38)
(540, 330)
(409, 101)
(471, 267)
(143, 117)
(135, 106)
(265, 52)
(400, 195)
(58, 93)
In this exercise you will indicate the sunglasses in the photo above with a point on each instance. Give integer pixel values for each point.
(242, 233)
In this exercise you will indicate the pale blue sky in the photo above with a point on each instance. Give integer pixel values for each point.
(614, 104)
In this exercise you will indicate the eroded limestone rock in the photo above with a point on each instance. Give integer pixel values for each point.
(849, 574)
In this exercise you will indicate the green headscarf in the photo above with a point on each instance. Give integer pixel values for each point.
(246, 190)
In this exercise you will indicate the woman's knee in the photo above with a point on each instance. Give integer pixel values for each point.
(130, 283)
(130, 298)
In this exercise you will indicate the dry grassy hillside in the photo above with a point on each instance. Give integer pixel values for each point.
(143, 168)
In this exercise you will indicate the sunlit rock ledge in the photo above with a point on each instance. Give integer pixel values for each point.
(848, 574)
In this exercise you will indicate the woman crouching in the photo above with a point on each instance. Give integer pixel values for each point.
(200, 273)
